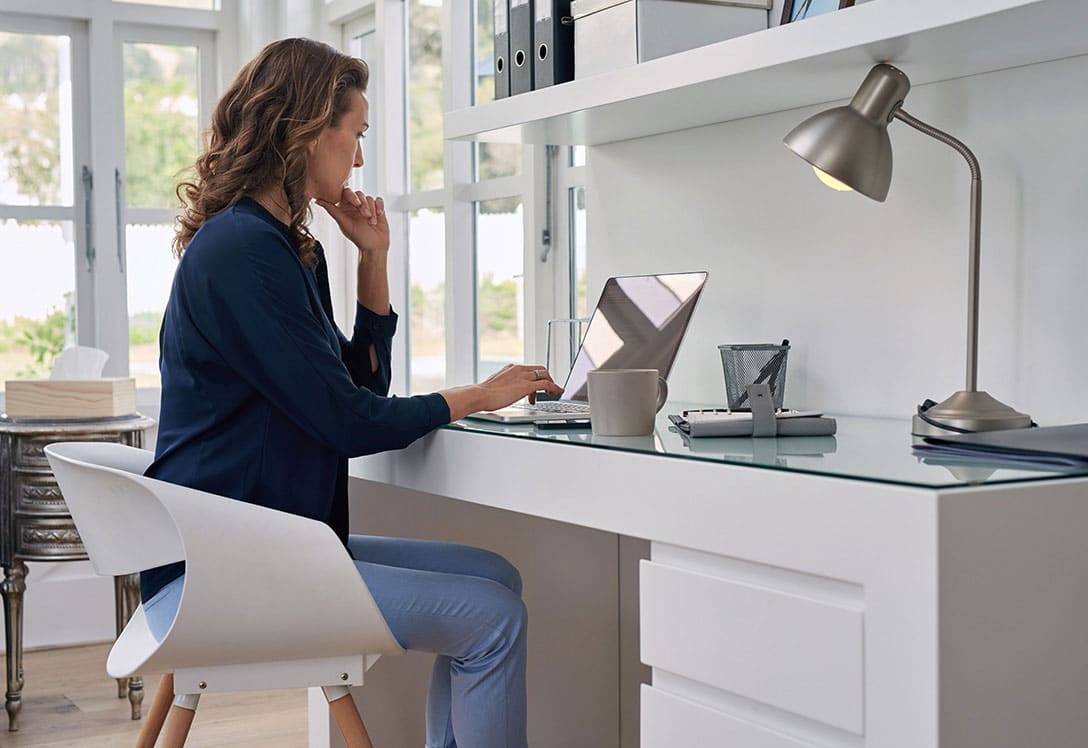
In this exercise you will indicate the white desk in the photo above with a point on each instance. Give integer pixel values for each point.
(824, 591)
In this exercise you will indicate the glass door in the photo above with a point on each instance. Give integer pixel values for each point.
(168, 87)
(44, 199)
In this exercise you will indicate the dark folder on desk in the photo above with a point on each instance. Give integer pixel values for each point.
(553, 42)
(1067, 444)
(502, 49)
(521, 46)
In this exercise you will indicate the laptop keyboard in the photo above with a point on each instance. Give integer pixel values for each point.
(555, 406)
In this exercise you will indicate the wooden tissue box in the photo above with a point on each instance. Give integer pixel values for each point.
(70, 398)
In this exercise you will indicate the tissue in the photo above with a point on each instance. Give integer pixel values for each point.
(79, 362)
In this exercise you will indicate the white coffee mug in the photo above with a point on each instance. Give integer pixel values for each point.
(623, 402)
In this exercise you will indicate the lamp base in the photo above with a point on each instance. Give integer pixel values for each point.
(968, 411)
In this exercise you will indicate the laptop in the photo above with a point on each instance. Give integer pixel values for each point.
(638, 323)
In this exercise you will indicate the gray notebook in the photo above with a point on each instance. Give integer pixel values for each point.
(787, 423)
(1061, 445)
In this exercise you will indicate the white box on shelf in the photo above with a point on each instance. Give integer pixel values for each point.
(611, 34)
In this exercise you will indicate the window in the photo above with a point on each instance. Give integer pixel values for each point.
(87, 199)
(361, 44)
(39, 215)
(425, 225)
(500, 287)
(161, 139)
(482, 261)
(425, 144)
(427, 299)
(577, 211)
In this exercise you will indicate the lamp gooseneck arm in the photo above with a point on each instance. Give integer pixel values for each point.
(975, 227)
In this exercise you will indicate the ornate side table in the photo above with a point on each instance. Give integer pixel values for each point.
(35, 526)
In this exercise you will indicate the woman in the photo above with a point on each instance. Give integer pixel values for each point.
(263, 399)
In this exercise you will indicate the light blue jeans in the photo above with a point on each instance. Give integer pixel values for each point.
(461, 603)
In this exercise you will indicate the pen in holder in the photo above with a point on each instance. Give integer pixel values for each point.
(761, 363)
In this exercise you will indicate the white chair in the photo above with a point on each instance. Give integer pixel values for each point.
(270, 599)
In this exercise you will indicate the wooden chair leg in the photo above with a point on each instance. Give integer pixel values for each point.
(179, 721)
(164, 696)
(347, 717)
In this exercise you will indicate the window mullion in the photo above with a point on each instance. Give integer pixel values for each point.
(105, 298)
(460, 254)
(568, 179)
(346, 11)
(149, 215)
(390, 84)
(39, 212)
(539, 258)
(420, 200)
(164, 16)
(492, 189)
(570, 176)
(83, 155)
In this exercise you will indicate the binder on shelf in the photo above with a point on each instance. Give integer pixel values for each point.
(521, 46)
(502, 49)
(553, 43)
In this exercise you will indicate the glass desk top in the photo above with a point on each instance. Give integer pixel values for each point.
(872, 449)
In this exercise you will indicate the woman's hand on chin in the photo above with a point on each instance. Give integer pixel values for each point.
(361, 218)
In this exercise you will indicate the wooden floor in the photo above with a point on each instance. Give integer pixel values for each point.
(69, 701)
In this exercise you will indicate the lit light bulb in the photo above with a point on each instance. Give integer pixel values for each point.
(831, 182)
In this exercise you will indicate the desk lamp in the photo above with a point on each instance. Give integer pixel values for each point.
(849, 148)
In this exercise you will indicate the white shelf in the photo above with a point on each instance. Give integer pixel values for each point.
(810, 62)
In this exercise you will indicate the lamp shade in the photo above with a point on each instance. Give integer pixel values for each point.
(851, 142)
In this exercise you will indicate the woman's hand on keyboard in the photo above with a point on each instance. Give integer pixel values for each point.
(506, 386)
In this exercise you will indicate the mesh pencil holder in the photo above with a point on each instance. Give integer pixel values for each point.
(756, 363)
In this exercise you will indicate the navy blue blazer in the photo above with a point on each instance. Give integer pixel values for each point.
(263, 398)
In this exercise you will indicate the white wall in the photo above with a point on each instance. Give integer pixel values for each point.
(65, 604)
(872, 296)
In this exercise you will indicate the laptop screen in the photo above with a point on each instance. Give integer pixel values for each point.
(638, 324)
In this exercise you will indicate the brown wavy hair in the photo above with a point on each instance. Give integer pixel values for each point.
(279, 103)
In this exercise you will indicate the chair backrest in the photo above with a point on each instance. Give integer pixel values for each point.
(122, 526)
(260, 585)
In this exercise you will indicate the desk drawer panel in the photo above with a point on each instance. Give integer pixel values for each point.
(48, 539)
(30, 450)
(37, 493)
(800, 654)
(669, 721)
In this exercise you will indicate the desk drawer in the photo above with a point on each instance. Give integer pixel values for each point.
(38, 493)
(30, 450)
(669, 721)
(800, 654)
(47, 540)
